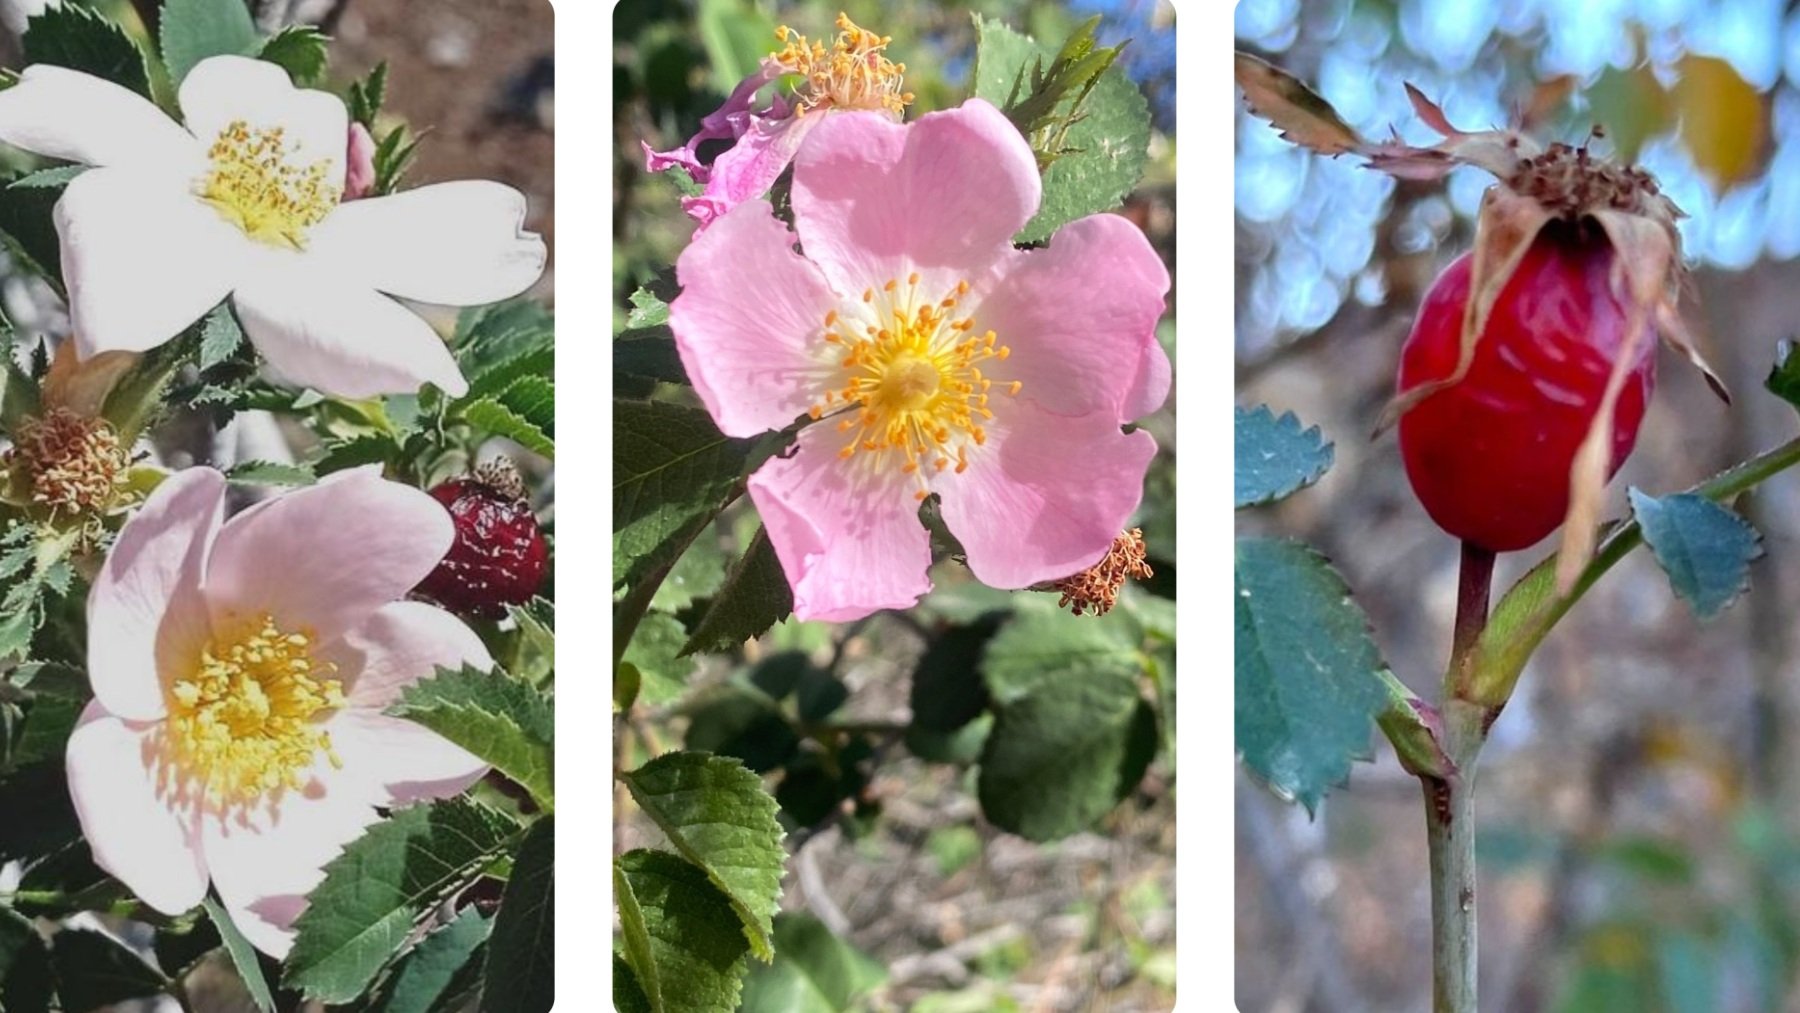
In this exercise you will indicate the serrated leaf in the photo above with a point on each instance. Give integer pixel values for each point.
(423, 975)
(655, 650)
(1072, 734)
(193, 30)
(716, 814)
(682, 939)
(220, 337)
(377, 888)
(492, 334)
(499, 375)
(947, 691)
(94, 970)
(1307, 674)
(52, 178)
(243, 955)
(672, 471)
(301, 51)
(755, 596)
(364, 98)
(814, 971)
(524, 413)
(29, 230)
(272, 473)
(647, 310)
(1703, 547)
(644, 358)
(1301, 115)
(521, 972)
(1274, 457)
(499, 719)
(1099, 159)
(80, 38)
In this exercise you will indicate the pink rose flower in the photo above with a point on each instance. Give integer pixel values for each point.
(935, 357)
(853, 74)
(240, 670)
(359, 162)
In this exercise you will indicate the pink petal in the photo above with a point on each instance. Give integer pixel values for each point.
(1047, 495)
(847, 532)
(751, 166)
(875, 200)
(727, 121)
(359, 162)
(133, 830)
(407, 762)
(749, 322)
(327, 557)
(266, 860)
(397, 646)
(145, 607)
(1080, 316)
(1150, 388)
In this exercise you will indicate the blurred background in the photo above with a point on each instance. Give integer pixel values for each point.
(1639, 817)
(964, 918)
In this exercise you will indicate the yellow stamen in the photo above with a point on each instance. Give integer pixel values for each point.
(853, 74)
(256, 185)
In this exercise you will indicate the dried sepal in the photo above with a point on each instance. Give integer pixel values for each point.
(80, 385)
(1675, 334)
(1300, 113)
(1507, 226)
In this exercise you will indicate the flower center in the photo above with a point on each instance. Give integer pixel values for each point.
(255, 184)
(71, 463)
(852, 74)
(912, 389)
(245, 722)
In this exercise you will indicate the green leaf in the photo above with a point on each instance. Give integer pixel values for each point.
(499, 719)
(672, 471)
(814, 971)
(1097, 139)
(737, 35)
(644, 358)
(28, 228)
(94, 970)
(1784, 376)
(647, 310)
(78, 37)
(947, 689)
(715, 812)
(220, 336)
(656, 652)
(365, 97)
(375, 891)
(682, 939)
(503, 373)
(243, 955)
(51, 178)
(301, 51)
(487, 337)
(628, 995)
(26, 981)
(423, 976)
(741, 721)
(272, 473)
(521, 972)
(193, 30)
(756, 596)
(1704, 548)
(1072, 733)
(1274, 457)
(1307, 682)
(525, 412)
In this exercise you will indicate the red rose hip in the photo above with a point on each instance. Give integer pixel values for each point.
(499, 556)
(1490, 456)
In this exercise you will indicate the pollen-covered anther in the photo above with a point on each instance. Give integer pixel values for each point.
(70, 463)
(246, 720)
(853, 74)
(256, 184)
(1096, 589)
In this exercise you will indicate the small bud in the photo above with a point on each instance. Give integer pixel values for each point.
(1096, 589)
(359, 163)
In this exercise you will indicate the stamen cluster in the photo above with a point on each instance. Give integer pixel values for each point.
(1096, 589)
(71, 463)
(256, 186)
(852, 74)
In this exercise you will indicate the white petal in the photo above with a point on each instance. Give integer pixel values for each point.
(406, 761)
(145, 606)
(266, 861)
(341, 339)
(222, 90)
(66, 114)
(399, 645)
(134, 833)
(142, 258)
(457, 244)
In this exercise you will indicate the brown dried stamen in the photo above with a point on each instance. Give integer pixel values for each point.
(1096, 589)
(71, 463)
(1569, 183)
(502, 475)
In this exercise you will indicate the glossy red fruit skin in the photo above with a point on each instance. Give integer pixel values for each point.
(499, 556)
(1489, 457)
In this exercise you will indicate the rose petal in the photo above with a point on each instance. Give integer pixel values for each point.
(265, 861)
(406, 761)
(847, 532)
(457, 244)
(145, 611)
(325, 558)
(749, 322)
(1046, 496)
(222, 90)
(874, 200)
(751, 166)
(397, 646)
(1077, 315)
(142, 259)
(67, 114)
(132, 829)
(319, 331)
(727, 121)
